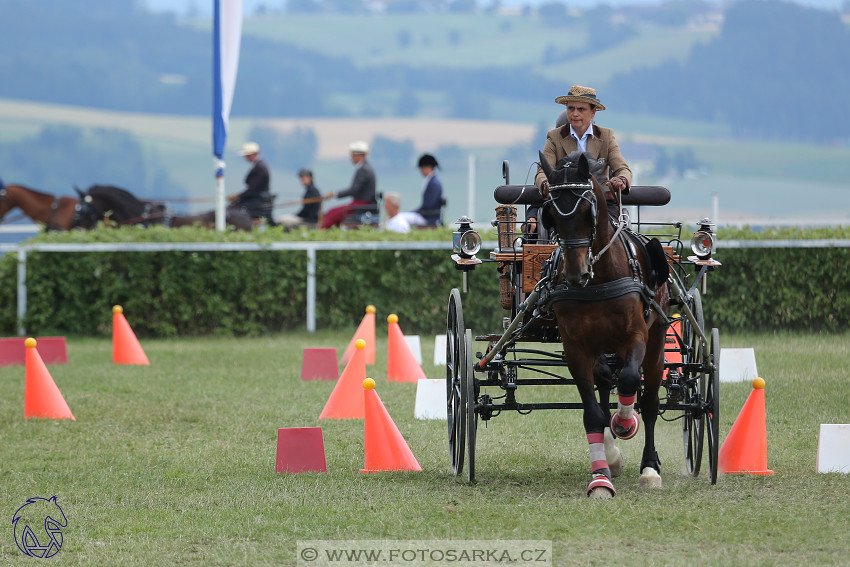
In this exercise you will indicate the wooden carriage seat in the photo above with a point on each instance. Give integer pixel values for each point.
(533, 255)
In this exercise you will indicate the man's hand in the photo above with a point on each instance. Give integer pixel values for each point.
(530, 226)
(619, 183)
(544, 188)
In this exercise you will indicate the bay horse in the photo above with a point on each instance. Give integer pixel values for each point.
(55, 213)
(610, 301)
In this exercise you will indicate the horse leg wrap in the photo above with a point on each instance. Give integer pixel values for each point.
(626, 406)
(600, 481)
(598, 462)
(625, 423)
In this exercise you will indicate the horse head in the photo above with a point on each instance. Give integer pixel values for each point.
(86, 214)
(572, 210)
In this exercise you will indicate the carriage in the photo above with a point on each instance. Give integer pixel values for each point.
(482, 385)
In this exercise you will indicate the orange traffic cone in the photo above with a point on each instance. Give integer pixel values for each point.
(365, 331)
(386, 449)
(745, 448)
(125, 346)
(42, 397)
(346, 400)
(402, 365)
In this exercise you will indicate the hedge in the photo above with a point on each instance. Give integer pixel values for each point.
(167, 294)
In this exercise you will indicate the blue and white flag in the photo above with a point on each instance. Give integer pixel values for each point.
(227, 36)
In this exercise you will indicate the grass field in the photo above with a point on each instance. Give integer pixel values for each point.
(174, 464)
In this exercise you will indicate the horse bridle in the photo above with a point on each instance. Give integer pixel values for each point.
(586, 195)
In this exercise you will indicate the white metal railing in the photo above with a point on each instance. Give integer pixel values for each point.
(20, 228)
(310, 248)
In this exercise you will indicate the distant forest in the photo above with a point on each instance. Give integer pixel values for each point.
(776, 71)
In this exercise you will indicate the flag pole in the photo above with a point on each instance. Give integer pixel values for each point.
(220, 212)
(227, 35)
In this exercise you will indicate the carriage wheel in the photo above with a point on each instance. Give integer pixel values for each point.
(456, 361)
(712, 402)
(693, 422)
(468, 384)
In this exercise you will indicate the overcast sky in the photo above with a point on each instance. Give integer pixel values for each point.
(250, 6)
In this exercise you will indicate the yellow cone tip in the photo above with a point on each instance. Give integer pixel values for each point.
(118, 309)
(393, 318)
(30, 343)
(370, 309)
(758, 383)
(359, 344)
(369, 384)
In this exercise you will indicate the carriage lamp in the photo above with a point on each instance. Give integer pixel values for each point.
(465, 241)
(704, 241)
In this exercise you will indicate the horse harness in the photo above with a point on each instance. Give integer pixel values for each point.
(553, 292)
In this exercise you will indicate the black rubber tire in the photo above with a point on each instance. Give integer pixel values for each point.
(693, 421)
(456, 362)
(468, 384)
(712, 400)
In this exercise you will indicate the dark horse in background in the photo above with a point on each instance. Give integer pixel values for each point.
(121, 207)
(55, 213)
(114, 204)
(610, 301)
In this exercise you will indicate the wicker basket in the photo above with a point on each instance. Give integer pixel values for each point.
(506, 220)
(506, 291)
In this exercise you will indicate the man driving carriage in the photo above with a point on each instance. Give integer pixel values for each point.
(256, 199)
(598, 143)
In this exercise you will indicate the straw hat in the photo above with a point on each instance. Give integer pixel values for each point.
(581, 94)
(249, 148)
(358, 147)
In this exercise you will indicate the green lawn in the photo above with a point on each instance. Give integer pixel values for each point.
(174, 463)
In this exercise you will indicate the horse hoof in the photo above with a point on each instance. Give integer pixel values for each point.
(625, 428)
(649, 478)
(600, 487)
(613, 455)
(617, 465)
(600, 494)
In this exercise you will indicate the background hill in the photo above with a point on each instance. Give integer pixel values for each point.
(744, 100)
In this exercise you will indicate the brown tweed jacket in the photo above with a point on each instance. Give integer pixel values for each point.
(602, 145)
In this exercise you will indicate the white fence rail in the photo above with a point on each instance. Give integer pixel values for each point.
(22, 250)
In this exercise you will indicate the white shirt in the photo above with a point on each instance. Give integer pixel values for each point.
(582, 142)
(403, 221)
(398, 224)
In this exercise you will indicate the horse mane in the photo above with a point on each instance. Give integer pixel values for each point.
(113, 193)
